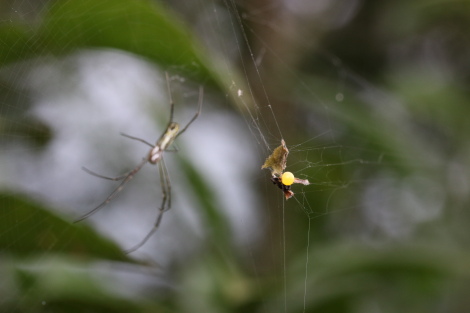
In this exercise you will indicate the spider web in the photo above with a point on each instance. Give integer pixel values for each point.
(230, 233)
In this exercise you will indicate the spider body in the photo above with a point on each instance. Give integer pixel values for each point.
(285, 188)
(277, 163)
(156, 153)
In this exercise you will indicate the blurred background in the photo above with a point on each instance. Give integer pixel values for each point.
(370, 97)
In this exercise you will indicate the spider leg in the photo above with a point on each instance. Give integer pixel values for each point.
(104, 177)
(172, 104)
(116, 191)
(174, 149)
(138, 139)
(201, 95)
(166, 191)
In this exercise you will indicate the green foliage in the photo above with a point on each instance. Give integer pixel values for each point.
(399, 127)
(43, 231)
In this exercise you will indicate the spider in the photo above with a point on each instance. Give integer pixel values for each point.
(155, 156)
(277, 163)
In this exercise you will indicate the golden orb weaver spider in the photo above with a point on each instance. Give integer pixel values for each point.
(155, 156)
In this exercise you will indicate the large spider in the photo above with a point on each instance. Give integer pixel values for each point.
(155, 156)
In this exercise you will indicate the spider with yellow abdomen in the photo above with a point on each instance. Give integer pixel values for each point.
(277, 163)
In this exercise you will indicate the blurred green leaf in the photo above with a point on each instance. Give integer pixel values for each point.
(148, 30)
(28, 228)
(16, 43)
(145, 28)
(58, 283)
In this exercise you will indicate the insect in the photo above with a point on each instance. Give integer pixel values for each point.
(277, 163)
(155, 156)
